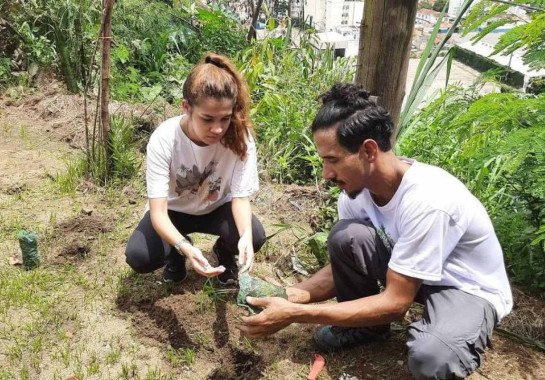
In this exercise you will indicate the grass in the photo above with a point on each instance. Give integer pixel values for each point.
(34, 308)
(180, 357)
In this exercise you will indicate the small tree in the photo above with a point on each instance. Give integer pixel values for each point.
(106, 37)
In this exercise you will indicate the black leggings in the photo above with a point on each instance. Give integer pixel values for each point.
(146, 251)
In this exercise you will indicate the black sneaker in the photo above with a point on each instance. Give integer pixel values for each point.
(175, 270)
(174, 274)
(230, 276)
(336, 338)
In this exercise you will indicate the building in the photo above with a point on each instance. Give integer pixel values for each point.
(427, 17)
(327, 15)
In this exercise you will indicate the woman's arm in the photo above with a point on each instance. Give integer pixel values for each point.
(242, 213)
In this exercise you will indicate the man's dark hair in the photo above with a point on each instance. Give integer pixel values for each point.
(347, 106)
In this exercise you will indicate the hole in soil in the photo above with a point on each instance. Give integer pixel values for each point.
(246, 363)
(76, 249)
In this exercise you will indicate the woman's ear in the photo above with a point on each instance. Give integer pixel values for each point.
(186, 107)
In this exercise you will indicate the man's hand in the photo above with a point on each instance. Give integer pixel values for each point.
(275, 316)
(245, 252)
(201, 264)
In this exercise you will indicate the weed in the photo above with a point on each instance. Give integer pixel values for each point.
(248, 344)
(153, 373)
(70, 179)
(25, 135)
(15, 353)
(183, 356)
(188, 356)
(24, 373)
(113, 355)
(128, 370)
(6, 375)
(93, 367)
(202, 339)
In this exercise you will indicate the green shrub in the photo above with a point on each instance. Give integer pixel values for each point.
(157, 44)
(496, 145)
(285, 83)
(5, 70)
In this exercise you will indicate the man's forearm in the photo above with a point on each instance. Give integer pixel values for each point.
(369, 311)
(320, 287)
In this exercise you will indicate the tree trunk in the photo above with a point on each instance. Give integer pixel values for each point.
(253, 27)
(385, 44)
(105, 85)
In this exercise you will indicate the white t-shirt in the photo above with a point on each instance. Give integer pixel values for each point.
(196, 179)
(438, 232)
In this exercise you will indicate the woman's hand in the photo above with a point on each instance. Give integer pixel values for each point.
(201, 264)
(245, 252)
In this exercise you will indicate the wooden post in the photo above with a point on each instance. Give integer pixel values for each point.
(385, 44)
(253, 27)
(105, 82)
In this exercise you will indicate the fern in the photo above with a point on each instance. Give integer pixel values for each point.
(529, 36)
(496, 145)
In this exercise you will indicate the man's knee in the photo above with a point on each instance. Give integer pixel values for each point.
(346, 234)
(430, 358)
(259, 236)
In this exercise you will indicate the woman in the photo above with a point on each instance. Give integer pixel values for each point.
(201, 171)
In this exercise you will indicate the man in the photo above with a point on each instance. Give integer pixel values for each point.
(411, 227)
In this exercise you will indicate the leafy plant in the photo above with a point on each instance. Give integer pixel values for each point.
(69, 27)
(428, 68)
(285, 82)
(157, 44)
(489, 15)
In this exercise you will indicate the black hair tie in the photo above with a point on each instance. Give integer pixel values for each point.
(214, 62)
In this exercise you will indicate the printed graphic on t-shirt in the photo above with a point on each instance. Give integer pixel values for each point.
(386, 239)
(191, 182)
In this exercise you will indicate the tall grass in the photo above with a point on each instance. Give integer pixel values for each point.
(126, 160)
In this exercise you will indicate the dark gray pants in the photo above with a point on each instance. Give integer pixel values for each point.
(146, 251)
(456, 327)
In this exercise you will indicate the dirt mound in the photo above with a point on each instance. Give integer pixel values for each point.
(78, 235)
(290, 203)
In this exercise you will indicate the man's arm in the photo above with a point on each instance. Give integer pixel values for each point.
(318, 288)
(386, 307)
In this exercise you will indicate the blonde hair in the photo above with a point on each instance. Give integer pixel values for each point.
(215, 76)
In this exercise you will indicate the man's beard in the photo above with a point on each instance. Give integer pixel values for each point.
(353, 194)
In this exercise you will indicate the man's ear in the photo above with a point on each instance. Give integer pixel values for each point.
(368, 150)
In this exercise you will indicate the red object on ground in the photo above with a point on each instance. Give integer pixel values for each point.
(317, 366)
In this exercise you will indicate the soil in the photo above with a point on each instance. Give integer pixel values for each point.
(190, 315)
